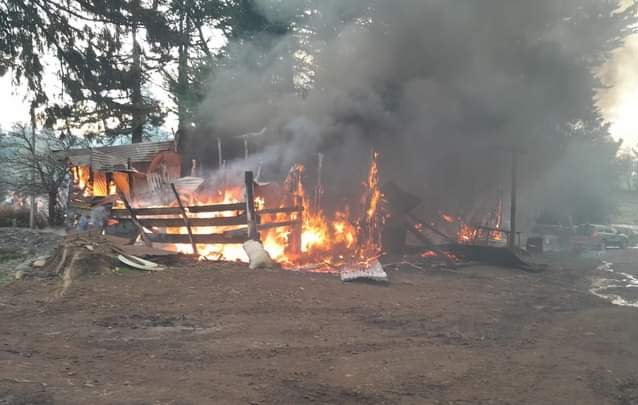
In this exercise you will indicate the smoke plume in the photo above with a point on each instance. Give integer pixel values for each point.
(441, 88)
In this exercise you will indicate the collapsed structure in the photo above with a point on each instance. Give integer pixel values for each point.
(145, 198)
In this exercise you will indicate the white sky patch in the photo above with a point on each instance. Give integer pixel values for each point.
(13, 108)
(619, 103)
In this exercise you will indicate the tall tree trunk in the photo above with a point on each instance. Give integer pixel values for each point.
(136, 92)
(53, 212)
(182, 88)
(33, 209)
(182, 73)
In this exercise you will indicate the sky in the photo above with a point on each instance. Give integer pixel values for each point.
(13, 108)
(619, 103)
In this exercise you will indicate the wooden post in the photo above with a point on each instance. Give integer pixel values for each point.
(319, 188)
(219, 153)
(129, 166)
(511, 243)
(297, 231)
(251, 215)
(516, 152)
(185, 218)
(137, 223)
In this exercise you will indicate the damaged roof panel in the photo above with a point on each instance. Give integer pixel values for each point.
(115, 158)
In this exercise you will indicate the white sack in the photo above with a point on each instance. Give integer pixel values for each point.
(257, 255)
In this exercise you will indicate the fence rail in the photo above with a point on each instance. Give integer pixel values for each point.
(154, 223)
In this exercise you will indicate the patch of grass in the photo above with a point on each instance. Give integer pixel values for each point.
(8, 256)
(6, 278)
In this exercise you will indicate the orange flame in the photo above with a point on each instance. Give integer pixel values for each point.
(80, 177)
(448, 218)
(329, 240)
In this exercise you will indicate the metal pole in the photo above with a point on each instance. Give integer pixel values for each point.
(512, 236)
(219, 153)
(246, 148)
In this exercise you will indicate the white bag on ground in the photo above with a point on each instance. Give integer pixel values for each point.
(257, 255)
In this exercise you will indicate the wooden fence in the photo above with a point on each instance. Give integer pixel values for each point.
(153, 223)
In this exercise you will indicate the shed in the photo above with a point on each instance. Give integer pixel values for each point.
(100, 172)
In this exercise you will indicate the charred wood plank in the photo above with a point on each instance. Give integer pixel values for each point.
(273, 225)
(429, 226)
(241, 206)
(125, 213)
(295, 242)
(430, 245)
(490, 229)
(120, 213)
(213, 239)
(139, 226)
(194, 222)
(185, 219)
(283, 210)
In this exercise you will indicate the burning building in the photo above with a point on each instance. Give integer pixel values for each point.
(99, 174)
(212, 217)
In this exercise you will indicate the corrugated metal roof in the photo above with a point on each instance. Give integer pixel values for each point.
(115, 158)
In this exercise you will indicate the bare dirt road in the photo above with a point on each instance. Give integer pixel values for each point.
(222, 334)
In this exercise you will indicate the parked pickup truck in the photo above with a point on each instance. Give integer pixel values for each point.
(598, 237)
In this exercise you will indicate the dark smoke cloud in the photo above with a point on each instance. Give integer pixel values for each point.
(440, 87)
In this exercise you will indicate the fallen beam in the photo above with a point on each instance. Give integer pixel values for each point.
(418, 220)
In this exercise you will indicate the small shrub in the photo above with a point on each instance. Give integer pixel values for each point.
(12, 216)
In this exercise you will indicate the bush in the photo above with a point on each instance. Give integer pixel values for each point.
(10, 216)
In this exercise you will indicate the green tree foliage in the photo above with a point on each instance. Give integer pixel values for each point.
(415, 78)
(102, 69)
(197, 25)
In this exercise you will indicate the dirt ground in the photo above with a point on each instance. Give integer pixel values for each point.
(222, 334)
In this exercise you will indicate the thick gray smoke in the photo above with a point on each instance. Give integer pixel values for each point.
(441, 88)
